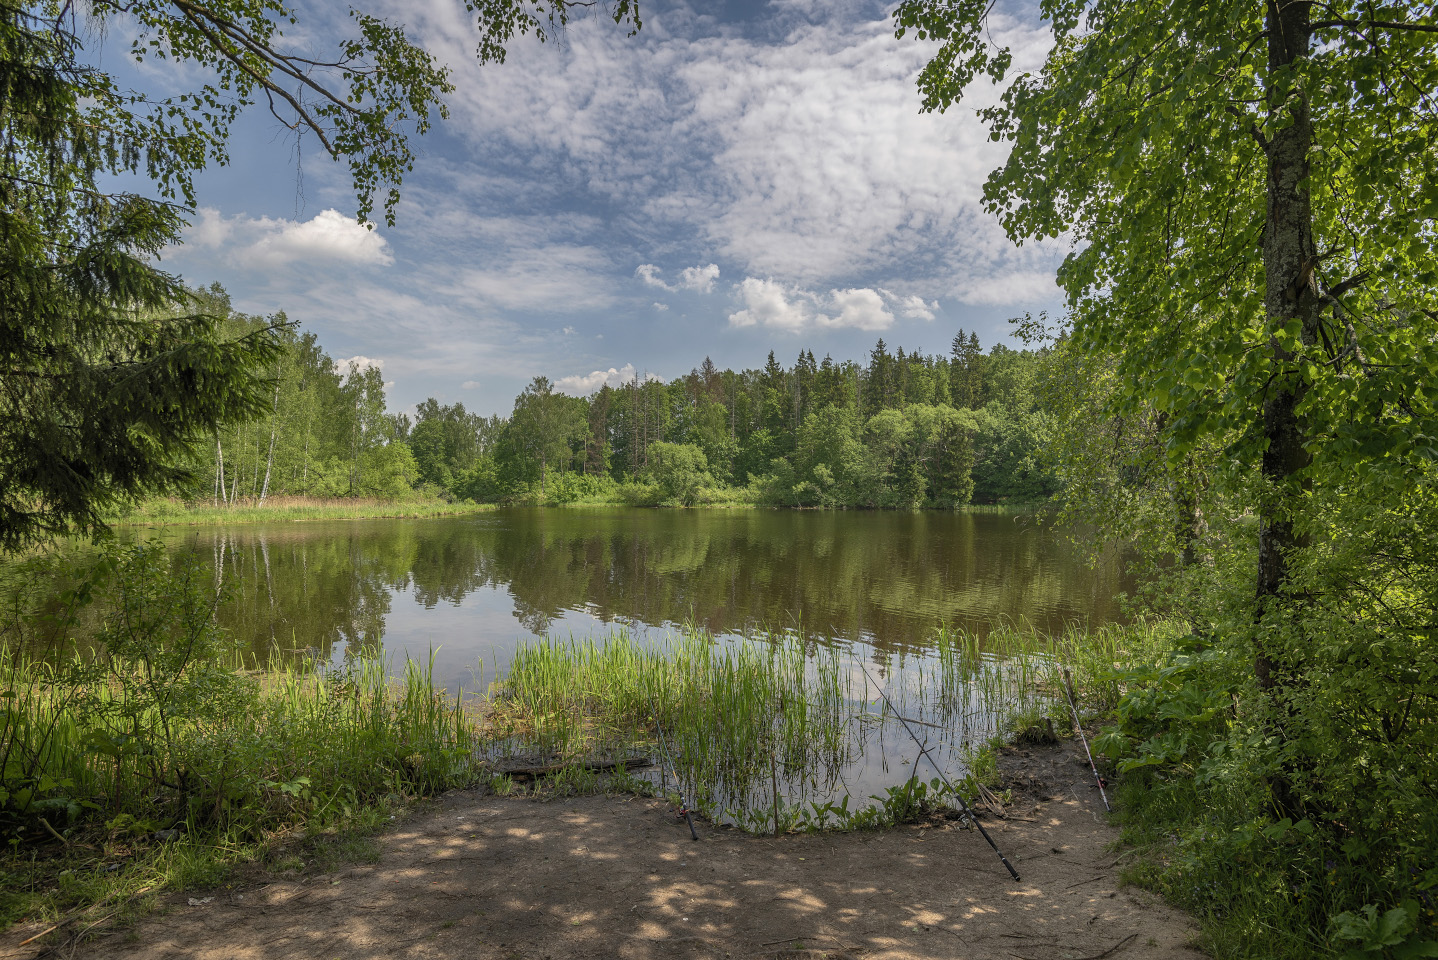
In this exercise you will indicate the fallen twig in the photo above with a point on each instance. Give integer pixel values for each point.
(1096, 956)
(1082, 882)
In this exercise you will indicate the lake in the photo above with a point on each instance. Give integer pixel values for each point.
(472, 588)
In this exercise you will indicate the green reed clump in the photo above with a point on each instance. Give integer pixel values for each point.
(751, 727)
(729, 714)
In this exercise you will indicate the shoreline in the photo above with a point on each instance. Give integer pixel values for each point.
(174, 514)
(473, 874)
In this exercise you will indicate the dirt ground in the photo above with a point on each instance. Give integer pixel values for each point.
(476, 876)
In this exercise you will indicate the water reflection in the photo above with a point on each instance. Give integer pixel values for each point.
(473, 587)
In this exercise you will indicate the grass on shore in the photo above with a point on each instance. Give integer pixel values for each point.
(170, 512)
(111, 794)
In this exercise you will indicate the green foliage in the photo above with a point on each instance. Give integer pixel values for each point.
(448, 442)
(1194, 740)
(680, 470)
(544, 425)
(912, 801)
(816, 435)
(106, 387)
(1252, 332)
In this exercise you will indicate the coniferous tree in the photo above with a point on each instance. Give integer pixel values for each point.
(108, 376)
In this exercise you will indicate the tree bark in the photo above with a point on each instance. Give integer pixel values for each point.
(274, 422)
(220, 473)
(1290, 260)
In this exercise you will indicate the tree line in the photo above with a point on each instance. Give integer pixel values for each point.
(899, 430)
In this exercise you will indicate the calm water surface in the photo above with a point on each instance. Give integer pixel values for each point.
(473, 588)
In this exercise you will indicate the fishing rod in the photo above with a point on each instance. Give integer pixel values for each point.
(924, 750)
(1098, 780)
(683, 803)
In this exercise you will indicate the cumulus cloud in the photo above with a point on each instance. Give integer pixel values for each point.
(581, 385)
(328, 237)
(910, 307)
(769, 303)
(698, 278)
(791, 309)
(861, 308)
(359, 363)
(661, 307)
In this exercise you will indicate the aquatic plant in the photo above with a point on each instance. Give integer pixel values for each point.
(752, 729)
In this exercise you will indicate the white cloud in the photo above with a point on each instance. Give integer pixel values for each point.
(698, 278)
(791, 309)
(661, 307)
(1011, 289)
(359, 363)
(768, 303)
(862, 309)
(555, 277)
(211, 231)
(581, 385)
(568, 331)
(911, 307)
(470, 385)
(329, 237)
(804, 158)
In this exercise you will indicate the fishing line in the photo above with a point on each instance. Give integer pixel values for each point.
(678, 783)
(924, 750)
(1098, 780)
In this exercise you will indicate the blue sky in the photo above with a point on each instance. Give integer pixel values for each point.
(723, 184)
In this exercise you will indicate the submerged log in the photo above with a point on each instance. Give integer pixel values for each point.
(534, 767)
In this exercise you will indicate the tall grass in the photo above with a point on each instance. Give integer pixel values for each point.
(170, 512)
(272, 748)
(727, 712)
(144, 795)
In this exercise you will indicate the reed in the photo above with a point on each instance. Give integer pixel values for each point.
(724, 707)
(764, 722)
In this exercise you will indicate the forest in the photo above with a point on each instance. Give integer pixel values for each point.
(899, 430)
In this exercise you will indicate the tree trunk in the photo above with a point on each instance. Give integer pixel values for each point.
(220, 473)
(305, 459)
(270, 458)
(1289, 259)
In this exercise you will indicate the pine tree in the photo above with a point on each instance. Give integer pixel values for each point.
(108, 377)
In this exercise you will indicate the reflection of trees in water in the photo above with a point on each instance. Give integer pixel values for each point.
(295, 589)
(881, 575)
(890, 576)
